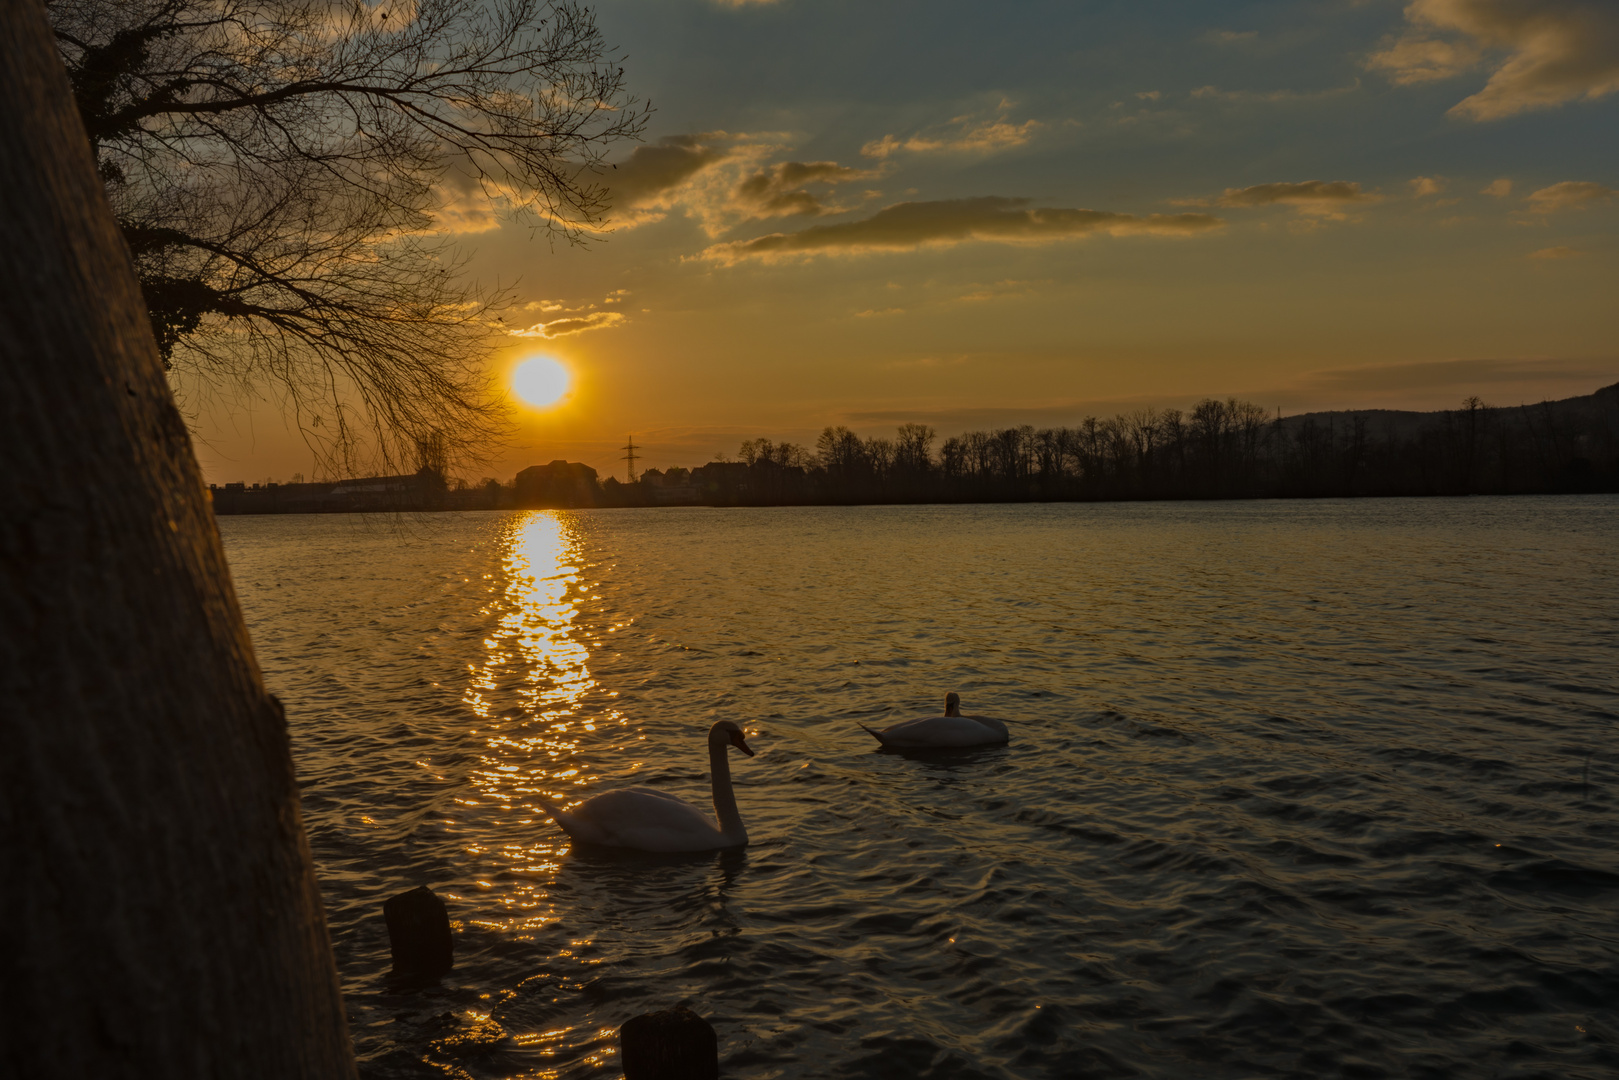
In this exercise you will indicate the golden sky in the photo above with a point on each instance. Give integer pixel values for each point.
(973, 214)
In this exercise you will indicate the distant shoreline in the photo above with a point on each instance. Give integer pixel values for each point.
(1217, 451)
(1000, 502)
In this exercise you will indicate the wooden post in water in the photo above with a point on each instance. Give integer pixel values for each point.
(419, 933)
(159, 915)
(673, 1044)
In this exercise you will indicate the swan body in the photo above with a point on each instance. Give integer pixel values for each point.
(645, 819)
(950, 731)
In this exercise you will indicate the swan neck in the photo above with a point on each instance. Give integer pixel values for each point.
(725, 812)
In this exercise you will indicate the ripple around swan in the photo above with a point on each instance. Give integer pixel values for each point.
(1318, 789)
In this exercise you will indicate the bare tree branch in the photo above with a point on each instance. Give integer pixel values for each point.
(281, 170)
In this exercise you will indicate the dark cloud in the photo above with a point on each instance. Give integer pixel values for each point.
(779, 191)
(910, 225)
(1306, 193)
(651, 171)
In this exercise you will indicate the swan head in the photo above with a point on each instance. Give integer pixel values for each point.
(726, 732)
(952, 704)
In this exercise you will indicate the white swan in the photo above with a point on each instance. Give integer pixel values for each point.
(645, 819)
(950, 730)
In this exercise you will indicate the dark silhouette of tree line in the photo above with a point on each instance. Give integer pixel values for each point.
(1216, 450)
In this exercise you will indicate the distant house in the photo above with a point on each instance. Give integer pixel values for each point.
(422, 491)
(373, 486)
(672, 488)
(559, 484)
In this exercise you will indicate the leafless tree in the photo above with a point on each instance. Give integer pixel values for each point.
(914, 453)
(288, 174)
(783, 455)
(841, 452)
(880, 455)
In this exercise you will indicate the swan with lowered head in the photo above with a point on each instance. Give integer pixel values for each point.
(645, 819)
(952, 730)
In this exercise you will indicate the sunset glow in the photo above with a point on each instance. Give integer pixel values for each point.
(541, 381)
(1036, 214)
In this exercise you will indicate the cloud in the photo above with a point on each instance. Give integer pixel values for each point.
(1272, 96)
(1435, 374)
(1555, 51)
(963, 135)
(465, 201)
(1556, 253)
(575, 320)
(1423, 186)
(997, 291)
(1231, 37)
(1411, 61)
(1569, 195)
(643, 184)
(463, 209)
(1499, 188)
(1323, 198)
(779, 190)
(572, 324)
(911, 225)
(720, 179)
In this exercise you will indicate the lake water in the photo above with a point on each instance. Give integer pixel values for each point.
(1294, 789)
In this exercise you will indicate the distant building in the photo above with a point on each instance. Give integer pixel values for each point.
(369, 494)
(559, 484)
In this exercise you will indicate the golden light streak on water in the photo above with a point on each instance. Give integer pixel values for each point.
(538, 655)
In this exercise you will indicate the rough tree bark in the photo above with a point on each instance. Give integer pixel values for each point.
(159, 914)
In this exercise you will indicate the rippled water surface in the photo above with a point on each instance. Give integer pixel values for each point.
(1294, 788)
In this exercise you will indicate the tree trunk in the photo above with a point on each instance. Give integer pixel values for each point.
(159, 914)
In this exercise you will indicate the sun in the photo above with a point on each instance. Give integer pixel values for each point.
(541, 381)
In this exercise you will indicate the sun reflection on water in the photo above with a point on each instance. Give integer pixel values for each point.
(531, 695)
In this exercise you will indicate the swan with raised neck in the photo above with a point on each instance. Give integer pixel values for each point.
(952, 730)
(646, 819)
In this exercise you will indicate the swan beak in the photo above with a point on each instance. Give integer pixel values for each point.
(736, 740)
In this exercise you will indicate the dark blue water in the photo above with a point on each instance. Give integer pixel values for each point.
(1294, 789)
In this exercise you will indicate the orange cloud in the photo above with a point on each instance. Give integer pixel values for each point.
(1411, 61)
(1556, 51)
(964, 135)
(572, 324)
(1569, 195)
(912, 225)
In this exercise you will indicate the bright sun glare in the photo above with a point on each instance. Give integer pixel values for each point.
(540, 381)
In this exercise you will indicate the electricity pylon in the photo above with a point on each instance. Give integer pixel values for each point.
(630, 457)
